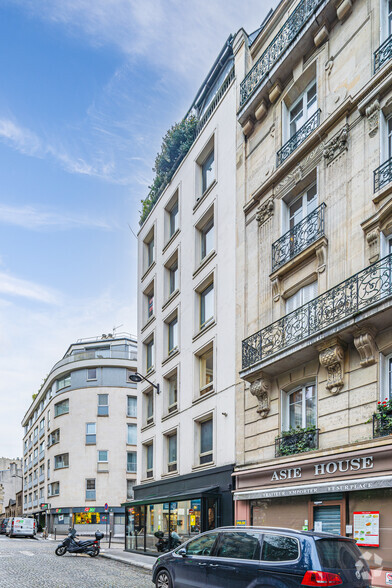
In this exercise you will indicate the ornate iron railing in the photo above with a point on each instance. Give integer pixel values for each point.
(382, 425)
(383, 175)
(383, 54)
(297, 441)
(367, 287)
(297, 239)
(298, 138)
(277, 47)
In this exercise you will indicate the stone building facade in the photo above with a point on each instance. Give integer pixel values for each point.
(314, 272)
(10, 481)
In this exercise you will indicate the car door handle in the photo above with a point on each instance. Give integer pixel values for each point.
(202, 564)
(214, 565)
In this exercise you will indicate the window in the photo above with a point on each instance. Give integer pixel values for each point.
(103, 456)
(172, 393)
(35, 433)
(303, 108)
(300, 407)
(131, 406)
(48, 420)
(131, 461)
(53, 489)
(279, 548)
(90, 489)
(130, 485)
(61, 408)
(63, 382)
(150, 461)
(48, 469)
(149, 400)
(61, 461)
(149, 301)
(172, 452)
(91, 374)
(386, 377)
(173, 219)
(205, 455)
(91, 433)
(41, 493)
(173, 336)
(149, 249)
(239, 545)
(206, 371)
(301, 297)
(149, 355)
(302, 206)
(173, 277)
(206, 239)
(54, 437)
(132, 434)
(41, 447)
(103, 404)
(42, 425)
(207, 172)
(202, 545)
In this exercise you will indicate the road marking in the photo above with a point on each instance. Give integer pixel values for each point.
(29, 553)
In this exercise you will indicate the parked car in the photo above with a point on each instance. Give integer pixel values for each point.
(3, 526)
(21, 526)
(261, 556)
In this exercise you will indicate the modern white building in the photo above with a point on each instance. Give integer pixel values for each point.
(186, 321)
(80, 436)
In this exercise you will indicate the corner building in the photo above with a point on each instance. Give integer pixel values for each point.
(80, 438)
(314, 265)
(186, 310)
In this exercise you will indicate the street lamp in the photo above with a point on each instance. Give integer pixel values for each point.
(136, 377)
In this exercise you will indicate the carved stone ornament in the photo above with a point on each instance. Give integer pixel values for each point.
(364, 341)
(275, 283)
(321, 254)
(265, 211)
(337, 145)
(373, 116)
(261, 389)
(297, 174)
(373, 241)
(332, 358)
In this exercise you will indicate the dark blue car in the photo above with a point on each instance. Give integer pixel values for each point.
(247, 557)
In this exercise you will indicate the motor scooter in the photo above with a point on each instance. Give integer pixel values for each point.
(70, 544)
(163, 544)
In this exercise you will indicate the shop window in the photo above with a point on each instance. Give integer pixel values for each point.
(131, 406)
(87, 518)
(91, 433)
(90, 489)
(103, 404)
(299, 407)
(131, 434)
(279, 548)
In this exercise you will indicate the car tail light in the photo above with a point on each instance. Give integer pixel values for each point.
(321, 579)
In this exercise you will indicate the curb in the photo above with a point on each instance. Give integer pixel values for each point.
(124, 560)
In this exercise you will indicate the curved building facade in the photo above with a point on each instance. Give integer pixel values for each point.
(80, 437)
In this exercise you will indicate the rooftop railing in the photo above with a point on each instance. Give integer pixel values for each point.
(368, 287)
(383, 54)
(96, 354)
(299, 137)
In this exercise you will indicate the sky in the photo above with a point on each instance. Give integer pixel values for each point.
(88, 88)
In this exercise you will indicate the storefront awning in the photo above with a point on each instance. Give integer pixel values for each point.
(308, 489)
(187, 495)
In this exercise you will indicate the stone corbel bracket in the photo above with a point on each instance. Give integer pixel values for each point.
(261, 389)
(265, 211)
(337, 145)
(331, 356)
(373, 115)
(364, 341)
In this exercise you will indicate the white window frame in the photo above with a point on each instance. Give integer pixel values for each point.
(306, 115)
(304, 208)
(285, 402)
(385, 377)
(135, 403)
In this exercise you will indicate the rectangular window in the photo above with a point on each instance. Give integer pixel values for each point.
(173, 277)
(173, 336)
(173, 219)
(48, 469)
(207, 172)
(131, 461)
(90, 489)
(103, 404)
(61, 408)
(206, 366)
(301, 297)
(205, 441)
(150, 355)
(130, 485)
(54, 437)
(48, 420)
(102, 456)
(63, 382)
(150, 305)
(132, 406)
(172, 453)
(42, 425)
(172, 382)
(91, 433)
(206, 239)
(149, 396)
(54, 489)
(61, 461)
(150, 460)
(35, 432)
(132, 434)
(302, 206)
(300, 407)
(303, 108)
(206, 306)
(91, 374)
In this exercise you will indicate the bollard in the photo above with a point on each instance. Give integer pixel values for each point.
(55, 533)
(110, 538)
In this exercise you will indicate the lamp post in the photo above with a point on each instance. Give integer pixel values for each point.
(136, 377)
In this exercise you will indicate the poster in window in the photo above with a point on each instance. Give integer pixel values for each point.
(366, 528)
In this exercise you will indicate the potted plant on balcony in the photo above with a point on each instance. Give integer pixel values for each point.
(296, 440)
(382, 419)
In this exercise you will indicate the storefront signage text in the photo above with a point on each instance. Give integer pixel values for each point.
(329, 468)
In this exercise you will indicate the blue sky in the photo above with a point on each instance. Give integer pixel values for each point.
(88, 89)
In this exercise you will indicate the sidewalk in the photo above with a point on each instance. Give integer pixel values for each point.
(117, 553)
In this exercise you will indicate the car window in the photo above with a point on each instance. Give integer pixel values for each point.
(342, 555)
(202, 545)
(279, 548)
(239, 545)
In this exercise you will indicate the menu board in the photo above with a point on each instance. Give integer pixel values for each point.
(366, 528)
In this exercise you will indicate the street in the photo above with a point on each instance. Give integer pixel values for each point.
(32, 563)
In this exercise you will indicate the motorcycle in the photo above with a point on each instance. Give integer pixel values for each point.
(70, 544)
(163, 544)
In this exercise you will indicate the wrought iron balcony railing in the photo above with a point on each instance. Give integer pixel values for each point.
(298, 138)
(297, 441)
(286, 35)
(383, 54)
(370, 286)
(382, 425)
(297, 239)
(383, 175)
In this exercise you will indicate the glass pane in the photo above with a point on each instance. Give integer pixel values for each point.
(185, 519)
(207, 239)
(173, 390)
(207, 305)
(295, 409)
(173, 335)
(208, 172)
(150, 405)
(202, 545)
(90, 428)
(172, 448)
(173, 278)
(150, 457)
(132, 406)
(343, 555)
(103, 399)
(150, 305)
(102, 456)
(312, 101)
(311, 199)
(296, 118)
(279, 548)
(329, 517)
(131, 434)
(310, 399)
(131, 461)
(135, 528)
(295, 212)
(239, 545)
(206, 436)
(174, 219)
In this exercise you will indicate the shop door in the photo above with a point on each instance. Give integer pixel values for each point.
(328, 518)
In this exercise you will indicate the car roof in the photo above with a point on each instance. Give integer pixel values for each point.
(286, 530)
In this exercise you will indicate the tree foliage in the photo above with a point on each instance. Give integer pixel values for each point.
(175, 145)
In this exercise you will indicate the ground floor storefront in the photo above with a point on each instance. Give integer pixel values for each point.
(175, 509)
(86, 520)
(349, 493)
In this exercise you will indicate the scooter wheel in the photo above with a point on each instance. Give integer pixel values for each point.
(60, 550)
(94, 552)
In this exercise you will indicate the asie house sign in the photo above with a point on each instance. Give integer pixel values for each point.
(327, 469)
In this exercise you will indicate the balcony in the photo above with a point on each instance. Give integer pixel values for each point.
(282, 41)
(361, 292)
(96, 354)
(382, 424)
(299, 137)
(383, 175)
(298, 238)
(297, 441)
(383, 54)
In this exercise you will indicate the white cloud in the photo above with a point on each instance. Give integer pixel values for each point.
(12, 286)
(30, 217)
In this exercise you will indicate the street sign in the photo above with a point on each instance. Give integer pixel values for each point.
(44, 505)
(106, 507)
